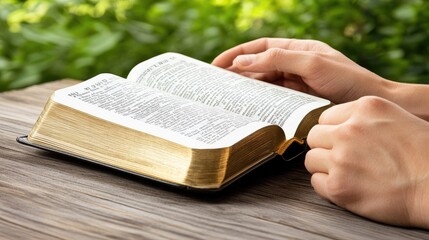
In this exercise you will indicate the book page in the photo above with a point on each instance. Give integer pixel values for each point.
(133, 105)
(198, 81)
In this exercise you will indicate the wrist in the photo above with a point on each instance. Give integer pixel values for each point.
(375, 85)
(412, 97)
(387, 89)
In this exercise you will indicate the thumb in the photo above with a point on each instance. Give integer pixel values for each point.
(275, 59)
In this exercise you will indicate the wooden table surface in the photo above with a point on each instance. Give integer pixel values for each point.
(49, 196)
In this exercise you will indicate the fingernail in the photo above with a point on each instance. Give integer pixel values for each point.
(244, 60)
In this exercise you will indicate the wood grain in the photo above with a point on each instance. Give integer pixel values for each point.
(49, 196)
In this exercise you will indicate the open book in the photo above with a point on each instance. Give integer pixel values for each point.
(177, 120)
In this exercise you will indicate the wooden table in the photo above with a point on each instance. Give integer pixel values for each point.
(48, 196)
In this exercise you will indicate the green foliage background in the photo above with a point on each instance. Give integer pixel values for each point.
(46, 40)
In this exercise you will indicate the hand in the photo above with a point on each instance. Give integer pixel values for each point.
(371, 157)
(305, 65)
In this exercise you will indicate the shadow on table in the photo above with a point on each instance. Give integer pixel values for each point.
(276, 172)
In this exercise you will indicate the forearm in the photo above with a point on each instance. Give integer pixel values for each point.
(412, 97)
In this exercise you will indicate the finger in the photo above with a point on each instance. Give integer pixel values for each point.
(281, 79)
(266, 77)
(318, 181)
(226, 58)
(320, 136)
(273, 78)
(297, 85)
(280, 60)
(318, 160)
(336, 114)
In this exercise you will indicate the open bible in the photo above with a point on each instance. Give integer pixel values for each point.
(177, 120)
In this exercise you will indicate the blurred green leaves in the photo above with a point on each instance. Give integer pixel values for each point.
(44, 40)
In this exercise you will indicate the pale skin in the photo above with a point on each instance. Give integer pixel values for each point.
(369, 153)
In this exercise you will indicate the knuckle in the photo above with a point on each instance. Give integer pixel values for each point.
(371, 104)
(313, 45)
(338, 190)
(315, 62)
(314, 59)
(349, 131)
(274, 53)
(341, 159)
(264, 39)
